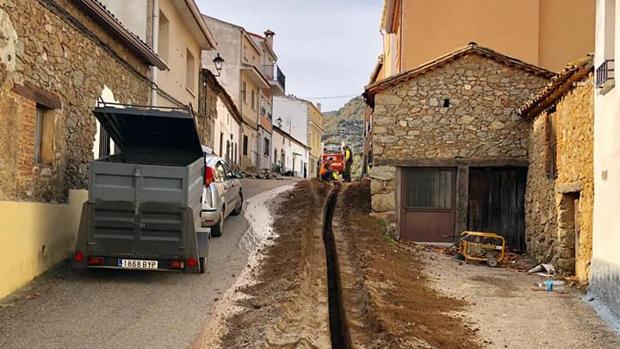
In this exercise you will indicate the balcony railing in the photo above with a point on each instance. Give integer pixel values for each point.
(605, 73)
(274, 74)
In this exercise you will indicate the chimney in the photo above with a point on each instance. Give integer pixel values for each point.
(318, 106)
(269, 38)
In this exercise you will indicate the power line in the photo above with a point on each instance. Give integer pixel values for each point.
(334, 97)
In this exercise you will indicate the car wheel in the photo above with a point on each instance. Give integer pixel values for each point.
(239, 207)
(218, 229)
(202, 264)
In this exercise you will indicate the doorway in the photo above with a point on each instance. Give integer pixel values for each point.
(497, 203)
(428, 204)
(569, 231)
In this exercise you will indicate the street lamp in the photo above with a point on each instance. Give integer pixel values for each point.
(218, 61)
(279, 121)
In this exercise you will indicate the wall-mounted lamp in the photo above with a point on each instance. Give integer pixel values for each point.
(219, 62)
(279, 121)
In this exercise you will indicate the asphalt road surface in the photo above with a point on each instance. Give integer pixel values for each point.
(126, 309)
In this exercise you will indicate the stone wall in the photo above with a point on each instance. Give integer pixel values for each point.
(207, 108)
(410, 120)
(549, 202)
(53, 46)
(463, 111)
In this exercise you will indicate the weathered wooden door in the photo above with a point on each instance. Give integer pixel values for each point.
(427, 204)
(496, 203)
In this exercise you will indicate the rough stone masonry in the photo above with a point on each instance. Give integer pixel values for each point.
(463, 110)
(52, 48)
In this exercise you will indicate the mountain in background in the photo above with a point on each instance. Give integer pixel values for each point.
(346, 125)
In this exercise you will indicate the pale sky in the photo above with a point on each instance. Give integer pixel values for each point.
(325, 48)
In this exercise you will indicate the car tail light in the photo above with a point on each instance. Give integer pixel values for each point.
(209, 175)
(95, 261)
(79, 256)
(192, 262)
(175, 264)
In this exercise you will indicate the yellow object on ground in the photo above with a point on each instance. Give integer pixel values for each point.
(480, 246)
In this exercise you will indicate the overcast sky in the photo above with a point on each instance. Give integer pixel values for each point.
(325, 48)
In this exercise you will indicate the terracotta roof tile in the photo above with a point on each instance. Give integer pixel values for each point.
(471, 48)
(557, 87)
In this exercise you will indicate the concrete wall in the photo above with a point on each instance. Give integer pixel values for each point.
(605, 279)
(548, 33)
(296, 156)
(227, 125)
(181, 41)
(294, 115)
(550, 212)
(229, 38)
(133, 14)
(264, 154)
(35, 237)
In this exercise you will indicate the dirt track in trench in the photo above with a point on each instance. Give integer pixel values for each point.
(387, 299)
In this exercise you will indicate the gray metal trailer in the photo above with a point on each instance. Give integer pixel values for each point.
(143, 208)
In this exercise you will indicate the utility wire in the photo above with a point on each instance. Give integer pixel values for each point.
(334, 97)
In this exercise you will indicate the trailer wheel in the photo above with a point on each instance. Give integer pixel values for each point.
(202, 264)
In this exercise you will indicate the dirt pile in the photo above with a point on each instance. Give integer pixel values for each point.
(389, 301)
(287, 308)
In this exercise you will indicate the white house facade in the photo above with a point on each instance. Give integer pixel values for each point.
(605, 268)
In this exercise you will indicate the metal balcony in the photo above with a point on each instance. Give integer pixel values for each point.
(605, 75)
(276, 78)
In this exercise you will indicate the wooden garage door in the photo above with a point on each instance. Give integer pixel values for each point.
(427, 204)
(496, 203)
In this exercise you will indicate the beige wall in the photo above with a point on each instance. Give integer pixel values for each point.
(315, 131)
(566, 32)
(30, 246)
(547, 33)
(250, 115)
(180, 42)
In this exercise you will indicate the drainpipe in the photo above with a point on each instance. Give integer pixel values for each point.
(155, 34)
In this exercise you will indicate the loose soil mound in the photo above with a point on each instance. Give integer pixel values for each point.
(287, 308)
(388, 300)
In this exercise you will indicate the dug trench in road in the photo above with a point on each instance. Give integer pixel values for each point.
(125, 309)
(388, 299)
(353, 288)
(287, 307)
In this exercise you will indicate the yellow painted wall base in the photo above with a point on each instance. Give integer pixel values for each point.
(34, 237)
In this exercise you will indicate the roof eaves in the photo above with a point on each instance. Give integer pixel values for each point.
(471, 48)
(104, 17)
(557, 87)
(202, 25)
(221, 91)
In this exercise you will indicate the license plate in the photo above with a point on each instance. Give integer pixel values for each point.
(137, 264)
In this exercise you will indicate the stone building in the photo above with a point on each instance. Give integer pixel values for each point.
(57, 58)
(560, 191)
(449, 151)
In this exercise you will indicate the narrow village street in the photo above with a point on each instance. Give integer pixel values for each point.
(372, 174)
(67, 308)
